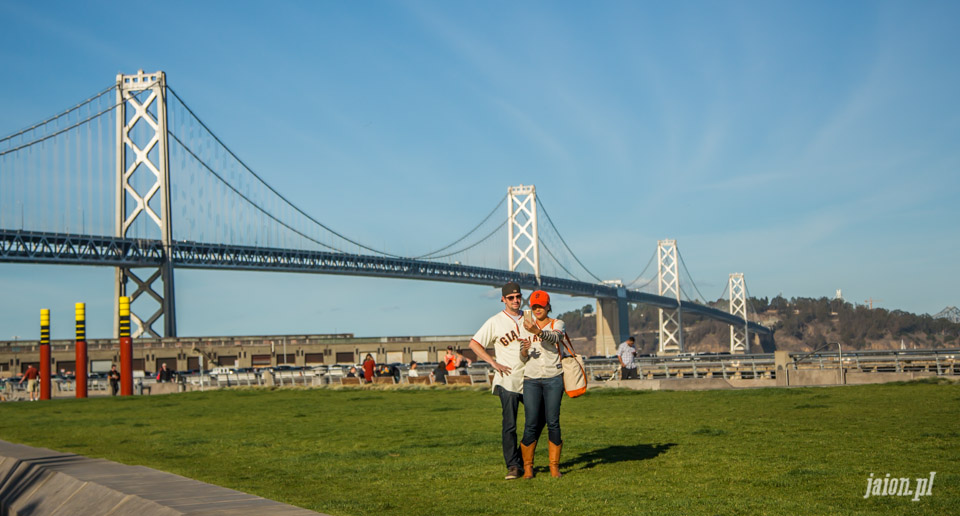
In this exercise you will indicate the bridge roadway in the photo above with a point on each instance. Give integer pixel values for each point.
(70, 249)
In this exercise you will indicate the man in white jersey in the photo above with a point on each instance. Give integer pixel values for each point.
(505, 332)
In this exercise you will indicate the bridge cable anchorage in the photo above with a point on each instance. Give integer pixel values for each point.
(66, 129)
(482, 222)
(690, 276)
(67, 112)
(540, 202)
(649, 262)
(482, 240)
(264, 183)
(248, 200)
(550, 253)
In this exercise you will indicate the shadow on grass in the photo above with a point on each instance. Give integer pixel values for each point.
(614, 454)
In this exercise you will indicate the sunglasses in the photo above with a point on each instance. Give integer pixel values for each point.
(514, 297)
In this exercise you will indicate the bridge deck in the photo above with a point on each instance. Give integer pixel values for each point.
(54, 248)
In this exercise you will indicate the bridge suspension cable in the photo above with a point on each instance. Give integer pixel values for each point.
(726, 289)
(653, 256)
(552, 225)
(65, 129)
(465, 249)
(247, 199)
(55, 175)
(434, 255)
(751, 309)
(274, 191)
(684, 265)
(485, 219)
(60, 115)
(554, 258)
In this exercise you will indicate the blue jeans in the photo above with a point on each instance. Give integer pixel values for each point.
(541, 402)
(509, 403)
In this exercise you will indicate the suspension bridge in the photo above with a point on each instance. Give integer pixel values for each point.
(132, 178)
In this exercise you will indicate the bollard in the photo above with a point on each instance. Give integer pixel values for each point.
(81, 373)
(45, 354)
(126, 349)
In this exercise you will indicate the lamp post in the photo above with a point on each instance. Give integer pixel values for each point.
(842, 375)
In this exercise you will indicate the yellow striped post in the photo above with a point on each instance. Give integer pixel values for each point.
(45, 354)
(126, 348)
(80, 309)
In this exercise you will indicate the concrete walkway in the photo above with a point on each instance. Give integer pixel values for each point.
(38, 481)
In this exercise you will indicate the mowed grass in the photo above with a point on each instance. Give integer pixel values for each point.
(437, 451)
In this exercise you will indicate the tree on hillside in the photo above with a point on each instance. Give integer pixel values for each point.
(807, 321)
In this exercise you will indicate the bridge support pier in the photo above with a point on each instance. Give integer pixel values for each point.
(613, 323)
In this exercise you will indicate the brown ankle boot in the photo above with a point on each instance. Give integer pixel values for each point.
(555, 459)
(526, 451)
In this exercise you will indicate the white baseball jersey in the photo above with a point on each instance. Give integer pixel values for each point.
(504, 332)
(544, 359)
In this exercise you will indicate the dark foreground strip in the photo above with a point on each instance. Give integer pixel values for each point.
(38, 481)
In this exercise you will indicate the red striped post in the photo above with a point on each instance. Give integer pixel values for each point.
(81, 373)
(45, 354)
(126, 349)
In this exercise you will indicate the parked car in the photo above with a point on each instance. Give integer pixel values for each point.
(222, 371)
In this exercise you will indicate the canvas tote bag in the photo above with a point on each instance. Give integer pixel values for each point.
(574, 375)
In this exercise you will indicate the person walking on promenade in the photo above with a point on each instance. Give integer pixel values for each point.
(368, 366)
(31, 375)
(625, 354)
(114, 377)
(164, 374)
(542, 384)
(504, 332)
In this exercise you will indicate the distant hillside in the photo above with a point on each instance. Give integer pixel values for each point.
(799, 324)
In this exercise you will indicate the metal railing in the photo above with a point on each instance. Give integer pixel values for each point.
(741, 367)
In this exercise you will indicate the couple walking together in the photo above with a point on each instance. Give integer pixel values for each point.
(528, 370)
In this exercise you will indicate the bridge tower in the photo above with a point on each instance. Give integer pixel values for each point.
(671, 325)
(739, 336)
(524, 245)
(143, 197)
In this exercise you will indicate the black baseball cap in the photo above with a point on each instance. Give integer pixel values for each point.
(510, 288)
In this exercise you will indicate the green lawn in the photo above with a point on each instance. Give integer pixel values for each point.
(437, 451)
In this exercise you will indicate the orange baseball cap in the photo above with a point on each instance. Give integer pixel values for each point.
(540, 297)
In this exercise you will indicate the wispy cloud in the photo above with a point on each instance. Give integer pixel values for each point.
(743, 182)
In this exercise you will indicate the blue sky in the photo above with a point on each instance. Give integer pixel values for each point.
(810, 145)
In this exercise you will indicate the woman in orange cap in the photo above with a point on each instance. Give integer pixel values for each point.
(542, 384)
